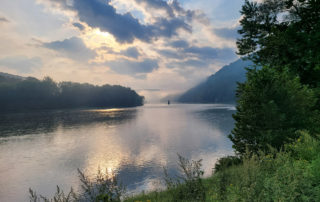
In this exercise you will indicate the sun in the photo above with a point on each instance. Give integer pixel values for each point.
(95, 39)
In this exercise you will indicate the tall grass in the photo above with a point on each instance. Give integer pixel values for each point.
(289, 175)
(103, 187)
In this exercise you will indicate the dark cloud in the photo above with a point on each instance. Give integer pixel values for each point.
(209, 53)
(79, 26)
(227, 33)
(168, 27)
(131, 52)
(179, 44)
(124, 27)
(73, 48)
(173, 9)
(133, 68)
(22, 64)
(188, 14)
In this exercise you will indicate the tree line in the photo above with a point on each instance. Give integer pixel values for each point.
(33, 94)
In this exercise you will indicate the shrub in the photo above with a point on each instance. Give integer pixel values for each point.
(188, 186)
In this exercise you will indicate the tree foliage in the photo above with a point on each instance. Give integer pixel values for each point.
(272, 106)
(283, 33)
(276, 101)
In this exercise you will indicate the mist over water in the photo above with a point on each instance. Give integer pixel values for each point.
(44, 149)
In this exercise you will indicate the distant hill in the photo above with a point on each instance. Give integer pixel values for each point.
(219, 87)
(2, 74)
(9, 78)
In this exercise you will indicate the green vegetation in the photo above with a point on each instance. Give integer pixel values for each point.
(101, 188)
(272, 106)
(31, 94)
(283, 97)
(283, 34)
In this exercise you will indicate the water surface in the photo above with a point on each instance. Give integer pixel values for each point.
(44, 149)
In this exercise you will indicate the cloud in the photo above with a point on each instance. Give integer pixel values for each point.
(168, 27)
(100, 14)
(158, 4)
(179, 44)
(227, 33)
(131, 52)
(195, 63)
(133, 68)
(174, 9)
(209, 53)
(79, 26)
(124, 27)
(184, 49)
(202, 52)
(21, 64)
(170, 53)
(3, 19)
(73, 48)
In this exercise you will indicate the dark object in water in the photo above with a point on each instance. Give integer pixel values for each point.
(168, 102)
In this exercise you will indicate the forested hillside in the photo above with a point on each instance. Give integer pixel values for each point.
(219, 87)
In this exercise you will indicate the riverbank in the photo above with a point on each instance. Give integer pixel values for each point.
(289, 175)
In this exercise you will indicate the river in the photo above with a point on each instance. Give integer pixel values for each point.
(40, 150)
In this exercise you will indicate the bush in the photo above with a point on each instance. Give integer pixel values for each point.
(188, 186)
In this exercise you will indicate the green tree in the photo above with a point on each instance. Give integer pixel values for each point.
(272, 106)
(282, 36)
(283, 33)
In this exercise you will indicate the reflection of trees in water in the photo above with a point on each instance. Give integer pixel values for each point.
(15, 124)
(218, 118)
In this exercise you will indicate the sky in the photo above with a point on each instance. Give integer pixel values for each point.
(156, 47)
